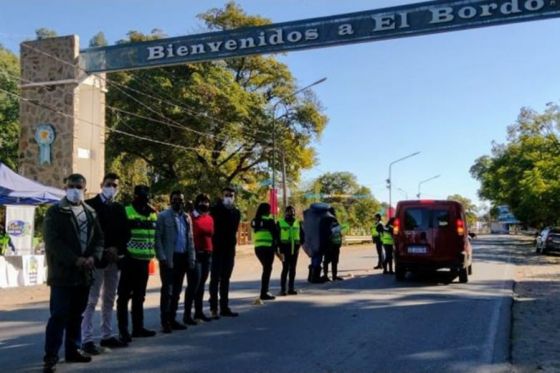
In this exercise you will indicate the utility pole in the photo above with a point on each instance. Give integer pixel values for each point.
(284, 188)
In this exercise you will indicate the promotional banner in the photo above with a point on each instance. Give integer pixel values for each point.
(20, 227)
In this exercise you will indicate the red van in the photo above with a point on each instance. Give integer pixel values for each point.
(430, 235)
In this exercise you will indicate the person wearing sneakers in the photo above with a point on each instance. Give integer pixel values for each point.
(265, 241)
(175, 252)
(112, 218)
(203, 230)
(73, 244)
(226, 223)
(291, 237)
(135, 264)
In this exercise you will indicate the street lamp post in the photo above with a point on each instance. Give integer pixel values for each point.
(425, 181)
(403, 191)
(274, 120)
(389, 179)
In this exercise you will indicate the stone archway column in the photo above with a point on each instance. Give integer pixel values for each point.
(63, 127)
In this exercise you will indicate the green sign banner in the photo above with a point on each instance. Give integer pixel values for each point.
(380, 24)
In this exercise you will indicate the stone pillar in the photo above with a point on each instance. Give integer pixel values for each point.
(63, 127)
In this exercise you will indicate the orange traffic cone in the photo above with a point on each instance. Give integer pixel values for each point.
(152, 267)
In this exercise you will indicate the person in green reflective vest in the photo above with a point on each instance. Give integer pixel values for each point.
(376, 232)
(135, 264)
(291, 237)
(265, 239)
(5, 242)
(388, 246)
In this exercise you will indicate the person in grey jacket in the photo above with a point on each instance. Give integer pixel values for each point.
(73, 245)
(176, 256)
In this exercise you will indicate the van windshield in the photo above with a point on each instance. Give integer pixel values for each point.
(423, 218)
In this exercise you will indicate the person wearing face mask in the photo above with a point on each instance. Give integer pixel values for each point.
(265, 239)
(203, 230)
(113, 221)
(175, 253)
(291, 237)
(226, 223)
(73, 244)
(140, 249)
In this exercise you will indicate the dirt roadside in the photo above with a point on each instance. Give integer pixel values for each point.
(535, 343)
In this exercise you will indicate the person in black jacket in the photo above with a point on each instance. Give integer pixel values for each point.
(112, 218)
(226, 223)
(331, 237)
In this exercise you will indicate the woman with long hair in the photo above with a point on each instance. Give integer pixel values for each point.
(265, 240)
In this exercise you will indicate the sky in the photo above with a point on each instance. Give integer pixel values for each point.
(447, 96)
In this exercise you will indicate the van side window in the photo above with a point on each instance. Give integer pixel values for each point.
(441, 218)
(417, 218)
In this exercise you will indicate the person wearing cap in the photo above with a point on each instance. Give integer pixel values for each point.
(376, 234)
(140, 249)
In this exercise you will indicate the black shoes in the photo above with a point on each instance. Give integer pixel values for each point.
(175, 325)
(228, 313)
(336, 278)
(166, 329)
(377, 267)
(282, 293)
(267, 296)
(189, 321)
(214, 315)
(77, 357)
(112, 343)
(90, 348)
(49, 364)
(292, 292)
(142, 333)
(125, 337)
(203, 317)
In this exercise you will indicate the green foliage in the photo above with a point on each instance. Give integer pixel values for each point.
(354, 203)
(524, 173)
(45, 33)
(471, 210)
(9, 108)
(98, 40)
(221, 112)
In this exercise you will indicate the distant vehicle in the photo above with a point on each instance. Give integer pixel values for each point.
(548, 240)
(430, 235)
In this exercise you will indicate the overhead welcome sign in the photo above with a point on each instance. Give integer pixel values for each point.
(380, 24)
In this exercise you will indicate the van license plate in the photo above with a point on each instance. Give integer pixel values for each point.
(417, 249)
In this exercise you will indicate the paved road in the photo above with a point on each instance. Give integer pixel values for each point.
(367, 323)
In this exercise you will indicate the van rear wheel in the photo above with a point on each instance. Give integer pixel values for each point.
(463, 275)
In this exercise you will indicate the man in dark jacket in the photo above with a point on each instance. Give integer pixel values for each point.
(73, 244)
(226, 223)
(113, 221)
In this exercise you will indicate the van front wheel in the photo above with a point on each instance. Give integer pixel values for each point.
(463, 275)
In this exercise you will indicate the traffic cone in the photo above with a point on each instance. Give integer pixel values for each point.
(152, 267)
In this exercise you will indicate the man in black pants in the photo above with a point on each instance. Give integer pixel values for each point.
(135, 264)
(226, 223)
(376, 232)
(331, 237)
(291, 237)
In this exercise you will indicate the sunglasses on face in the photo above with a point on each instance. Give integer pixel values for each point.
(76, 186)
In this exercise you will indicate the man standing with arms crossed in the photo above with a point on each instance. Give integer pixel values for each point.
(73, 244)
(226, 223)
(112, 218)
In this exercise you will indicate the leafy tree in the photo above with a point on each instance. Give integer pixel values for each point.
(471, 210)
(218, 114)
(353, 202)
(9, 108)
(45, 33)
(524, 173)
(98, 40)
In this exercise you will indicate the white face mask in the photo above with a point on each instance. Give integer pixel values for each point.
(75, 195)
(109, 192)
(228, 201)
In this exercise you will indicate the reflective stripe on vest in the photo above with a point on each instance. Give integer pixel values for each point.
(263, 237)
(289, 234)
(143, 232)
(387, 238)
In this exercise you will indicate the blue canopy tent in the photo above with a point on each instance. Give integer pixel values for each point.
(18, 190)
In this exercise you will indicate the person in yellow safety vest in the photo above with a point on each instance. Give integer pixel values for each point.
(388, 245)
(376, 232)
(5, 242)
(135, 264)
(265, 238)
(291, 237)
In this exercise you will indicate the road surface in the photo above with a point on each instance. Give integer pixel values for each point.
(367, 323)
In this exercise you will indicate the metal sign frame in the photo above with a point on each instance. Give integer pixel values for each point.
(366, 26)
